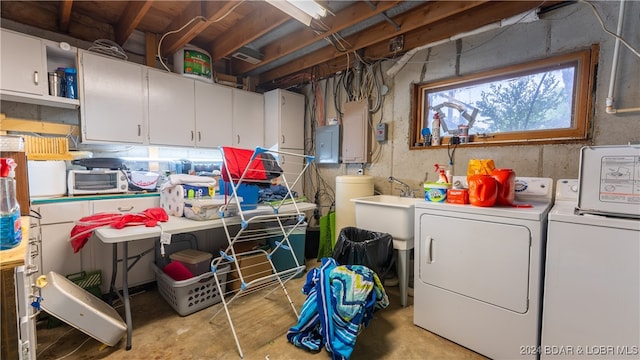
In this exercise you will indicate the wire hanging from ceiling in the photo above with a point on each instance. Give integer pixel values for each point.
(199, 17)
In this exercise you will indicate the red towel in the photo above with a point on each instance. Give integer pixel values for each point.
(84, 227)
(177, 271)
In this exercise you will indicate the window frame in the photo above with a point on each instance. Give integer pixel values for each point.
(586, 61)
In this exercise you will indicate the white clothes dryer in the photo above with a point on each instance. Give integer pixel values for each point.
(592, 283)
(479, 271)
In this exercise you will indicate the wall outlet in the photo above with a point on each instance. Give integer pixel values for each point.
(396, 44)
(381, 132)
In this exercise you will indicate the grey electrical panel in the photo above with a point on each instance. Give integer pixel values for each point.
(328, 144)
(355, 132)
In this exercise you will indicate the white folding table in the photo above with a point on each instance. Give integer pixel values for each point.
(175, 225)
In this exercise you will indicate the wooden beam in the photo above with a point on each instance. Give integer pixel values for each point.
(151, 49)
(349, 16)
(133, 14)
(464, 22)
(254, 25)
(209, 11)
(410, 20)
(65, 15)
(37, 126)
(445, 28)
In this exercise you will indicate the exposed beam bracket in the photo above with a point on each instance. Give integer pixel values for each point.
(390, 21)
(384, 15)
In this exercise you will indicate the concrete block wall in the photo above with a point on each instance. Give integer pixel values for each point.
(563, 30)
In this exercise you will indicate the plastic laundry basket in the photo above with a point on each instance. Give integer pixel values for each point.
(191, 295)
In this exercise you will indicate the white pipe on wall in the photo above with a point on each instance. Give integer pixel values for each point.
(614, 65)
(609, 109)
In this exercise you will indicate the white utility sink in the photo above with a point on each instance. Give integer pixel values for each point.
(392, 215)
(386, 213)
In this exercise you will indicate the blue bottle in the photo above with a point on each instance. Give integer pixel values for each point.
(10, 224)
(71, 85)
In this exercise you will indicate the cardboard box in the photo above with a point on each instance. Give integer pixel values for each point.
(252, 266)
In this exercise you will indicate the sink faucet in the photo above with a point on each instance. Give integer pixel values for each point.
(406, 190)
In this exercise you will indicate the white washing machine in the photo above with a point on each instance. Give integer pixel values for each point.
(592, 283)
(479, 271)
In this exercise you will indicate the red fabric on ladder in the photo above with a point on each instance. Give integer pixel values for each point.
(237, 160)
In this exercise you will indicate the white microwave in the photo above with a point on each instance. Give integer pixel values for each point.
(97, 181)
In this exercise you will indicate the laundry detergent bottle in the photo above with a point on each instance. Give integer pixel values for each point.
(10, 224)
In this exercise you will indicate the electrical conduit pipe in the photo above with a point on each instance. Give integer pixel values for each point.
(614, 67)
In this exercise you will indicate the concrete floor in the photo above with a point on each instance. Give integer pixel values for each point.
(261, 325)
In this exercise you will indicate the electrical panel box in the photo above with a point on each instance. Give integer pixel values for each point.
(328, 144)
(355, 127)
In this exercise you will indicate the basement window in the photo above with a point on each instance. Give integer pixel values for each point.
(543, 101)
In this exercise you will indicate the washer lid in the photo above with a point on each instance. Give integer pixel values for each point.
(566, 212)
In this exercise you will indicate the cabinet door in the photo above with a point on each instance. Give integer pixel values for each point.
(284, 119)
(113, 103)
(141, 272)
(171, 109)
(248, 119)
(292, 120)
(56, 253)
(213, 115)
(22, 64)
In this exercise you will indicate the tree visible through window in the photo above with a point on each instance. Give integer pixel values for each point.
(546, 100)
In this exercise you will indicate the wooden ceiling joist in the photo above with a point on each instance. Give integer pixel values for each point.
(350, 16)
(253, 26)
(65, 15)
(416, 18)
(210, 11)
(131, 17)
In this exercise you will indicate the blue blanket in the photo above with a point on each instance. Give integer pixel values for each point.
(340, 303)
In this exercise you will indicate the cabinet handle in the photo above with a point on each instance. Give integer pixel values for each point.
(283, 139)
(192, 135)
(139, 130)
(283, 100)
(199, 136)
(121, 209)
(428, 249)
(238, 139)
(35, 78)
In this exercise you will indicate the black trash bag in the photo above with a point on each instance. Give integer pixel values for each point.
(362, 247)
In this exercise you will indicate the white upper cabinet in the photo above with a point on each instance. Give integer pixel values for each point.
(284, 119)
(22, 64)
(214, 115)
(113, 99)
(24, 61)
(248, 119)
(171, 109)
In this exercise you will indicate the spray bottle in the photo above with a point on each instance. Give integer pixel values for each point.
(10, 224)
(443, 174)
(435, 130)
